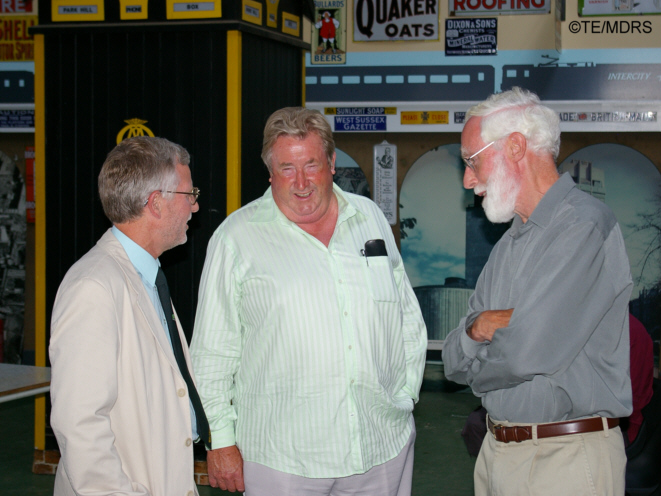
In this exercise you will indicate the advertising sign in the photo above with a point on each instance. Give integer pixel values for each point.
(16, 119)
(18, 7)
(329, 32)
(395, 20)
(618, 7)
(16, 44)
(358, 123)
(492, 7)
(29, 184)
(385, 180)
(425, 117)
(471, 36)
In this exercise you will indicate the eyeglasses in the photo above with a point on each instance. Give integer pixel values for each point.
(470, 163)
(192, 195)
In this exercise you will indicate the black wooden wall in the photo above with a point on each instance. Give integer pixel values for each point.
(176, 80)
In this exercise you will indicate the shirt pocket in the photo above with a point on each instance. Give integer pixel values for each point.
(380, 279)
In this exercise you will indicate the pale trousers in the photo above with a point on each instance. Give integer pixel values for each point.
(392, 478)
(580, 464)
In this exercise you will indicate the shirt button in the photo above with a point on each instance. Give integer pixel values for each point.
(346, 313)
(349, 346)
(189, 442)
(340, 281)
(351, 381)
(181, 392)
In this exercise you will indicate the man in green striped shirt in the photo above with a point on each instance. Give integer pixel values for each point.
(309, 344)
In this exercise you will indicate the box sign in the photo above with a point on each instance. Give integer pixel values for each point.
(177, 9)
(491, 7)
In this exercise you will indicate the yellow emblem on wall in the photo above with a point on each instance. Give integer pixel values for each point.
(135, 128)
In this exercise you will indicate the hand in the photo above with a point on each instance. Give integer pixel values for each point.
(225, 467)
(486, 324)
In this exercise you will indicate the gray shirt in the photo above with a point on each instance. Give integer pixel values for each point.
(565, 352)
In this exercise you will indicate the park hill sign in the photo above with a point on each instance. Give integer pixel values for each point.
(482, 7)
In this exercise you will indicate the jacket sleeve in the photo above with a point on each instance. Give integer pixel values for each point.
(84, 349)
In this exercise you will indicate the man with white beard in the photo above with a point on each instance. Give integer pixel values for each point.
(544, 343)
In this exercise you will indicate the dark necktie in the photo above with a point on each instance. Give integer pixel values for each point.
(164, 295)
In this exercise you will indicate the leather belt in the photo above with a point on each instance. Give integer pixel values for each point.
(518, 433)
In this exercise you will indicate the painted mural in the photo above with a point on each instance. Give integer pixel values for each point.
(448, 244)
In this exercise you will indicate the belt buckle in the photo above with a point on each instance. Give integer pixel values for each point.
(498, 432)
(519, 433)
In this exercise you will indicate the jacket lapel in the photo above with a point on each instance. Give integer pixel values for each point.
(141, 301)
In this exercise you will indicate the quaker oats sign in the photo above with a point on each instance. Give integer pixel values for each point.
(395, 20)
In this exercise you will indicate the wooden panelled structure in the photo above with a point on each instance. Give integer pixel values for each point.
(185, 80)
(174, 76)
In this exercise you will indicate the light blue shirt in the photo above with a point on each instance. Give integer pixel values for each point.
(147, 268)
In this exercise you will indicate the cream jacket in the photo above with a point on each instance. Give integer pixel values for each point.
(120, 407)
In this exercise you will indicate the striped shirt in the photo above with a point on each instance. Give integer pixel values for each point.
(308, 358)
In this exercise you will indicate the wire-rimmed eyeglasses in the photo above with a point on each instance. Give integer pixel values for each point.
(470, 163)
(193, 195)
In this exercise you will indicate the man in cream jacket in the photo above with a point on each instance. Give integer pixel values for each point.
(124, 406)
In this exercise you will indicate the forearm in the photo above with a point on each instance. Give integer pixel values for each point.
(560, 306)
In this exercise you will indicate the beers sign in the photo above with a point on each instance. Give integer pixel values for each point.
(482, 7)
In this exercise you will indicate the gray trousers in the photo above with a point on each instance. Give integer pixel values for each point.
(392, 478)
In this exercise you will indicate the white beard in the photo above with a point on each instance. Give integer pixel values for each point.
(502, 191)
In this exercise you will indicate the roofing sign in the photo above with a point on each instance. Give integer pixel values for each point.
(396, 20)
(481, 7)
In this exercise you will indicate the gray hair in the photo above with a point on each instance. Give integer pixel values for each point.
(133, 170)
(519, 110)
(297, 122)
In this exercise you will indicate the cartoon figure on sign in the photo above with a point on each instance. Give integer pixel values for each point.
(327, 26)
(386, 160)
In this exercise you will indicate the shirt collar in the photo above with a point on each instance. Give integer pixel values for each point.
(268, 210)
(545, 209)
(146, 265)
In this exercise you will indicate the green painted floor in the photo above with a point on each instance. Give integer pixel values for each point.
(442, 464)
